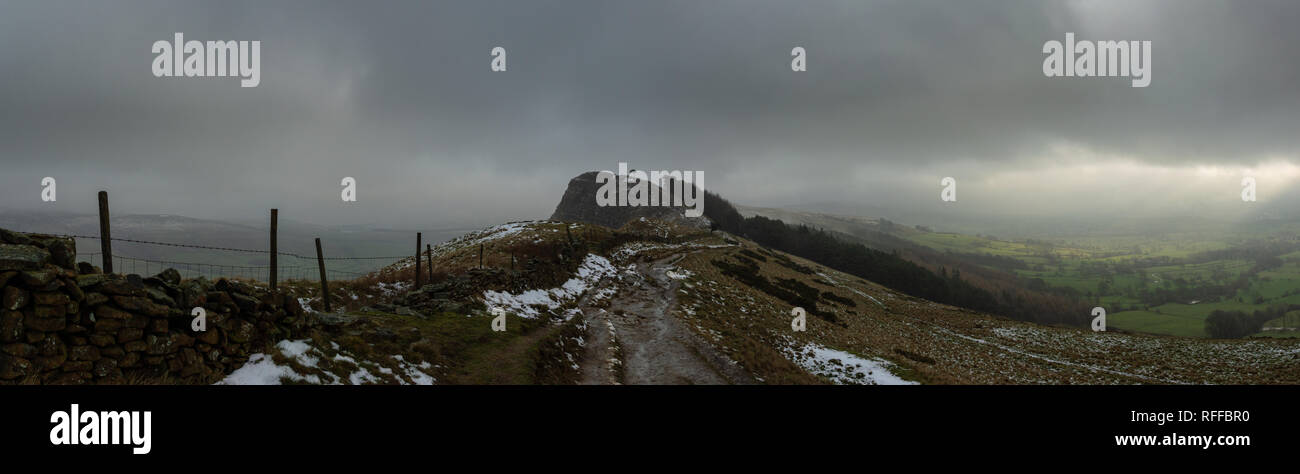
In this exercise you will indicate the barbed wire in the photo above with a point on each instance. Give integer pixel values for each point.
(216, 269)
(169, 262)
(290, 272)
(209, 247)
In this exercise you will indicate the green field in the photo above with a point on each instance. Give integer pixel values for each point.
(1146, 321)
(1135, 276)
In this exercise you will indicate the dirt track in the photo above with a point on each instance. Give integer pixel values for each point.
(636, 340)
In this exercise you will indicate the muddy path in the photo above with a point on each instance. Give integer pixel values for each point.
(637, 340)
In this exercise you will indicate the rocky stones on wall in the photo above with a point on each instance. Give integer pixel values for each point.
(66, 323)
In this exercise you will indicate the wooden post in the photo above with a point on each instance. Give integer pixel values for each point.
(480, 255)
(275, 217)
(429, 248)
(105, 241)
(324, 284)
(417, 260)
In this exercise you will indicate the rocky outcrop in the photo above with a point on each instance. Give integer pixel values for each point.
(463, 293)
(579, 205)
(459, 293)
(63, 323)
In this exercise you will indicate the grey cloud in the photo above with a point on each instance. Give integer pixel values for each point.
(399, 95)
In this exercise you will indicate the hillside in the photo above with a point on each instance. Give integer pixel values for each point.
(657, 303)
(652, 301)
(1158, 277)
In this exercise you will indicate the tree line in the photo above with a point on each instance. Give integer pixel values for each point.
(892, 270)
(1221, 324)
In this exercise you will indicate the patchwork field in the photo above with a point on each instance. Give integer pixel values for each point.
(1121, 272)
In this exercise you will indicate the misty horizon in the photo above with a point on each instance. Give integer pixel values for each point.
(896, 96)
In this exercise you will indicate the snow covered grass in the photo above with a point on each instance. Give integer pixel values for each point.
(1182, 360)
(526, 304)
(471, 240)
(614, 365)
(297, 361)
(679, 274)
(856, 291)
(844, 368)
(394, 288)
(495, 233)
(414, 371)
(262, 370)
(631, 250)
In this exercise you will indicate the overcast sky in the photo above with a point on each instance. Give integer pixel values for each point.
(400, 95)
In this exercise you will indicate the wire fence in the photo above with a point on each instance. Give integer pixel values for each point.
(207, 247)
(147, 266)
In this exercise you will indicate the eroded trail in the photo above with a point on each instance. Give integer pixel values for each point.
(637, 340)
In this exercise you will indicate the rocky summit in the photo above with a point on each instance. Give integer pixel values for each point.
(579, 205)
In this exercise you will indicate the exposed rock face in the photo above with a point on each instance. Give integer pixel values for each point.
(66, 324)
(579, 205)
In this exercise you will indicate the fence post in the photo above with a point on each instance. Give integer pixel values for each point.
(275, 217)
(105, 244)
(324, 284)
(417, 260)
(480, 256)
(429, 248)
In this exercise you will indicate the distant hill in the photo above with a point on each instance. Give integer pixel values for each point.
(578, 204)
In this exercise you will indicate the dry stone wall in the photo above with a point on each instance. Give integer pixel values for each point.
(64, 323)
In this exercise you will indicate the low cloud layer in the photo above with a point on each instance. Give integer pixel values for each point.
(400, 96)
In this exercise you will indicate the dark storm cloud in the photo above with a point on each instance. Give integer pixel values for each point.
(400, 96)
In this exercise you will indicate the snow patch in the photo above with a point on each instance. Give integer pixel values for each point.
(593, 269)
(261, 369)
(679, 274)
(844, 368)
